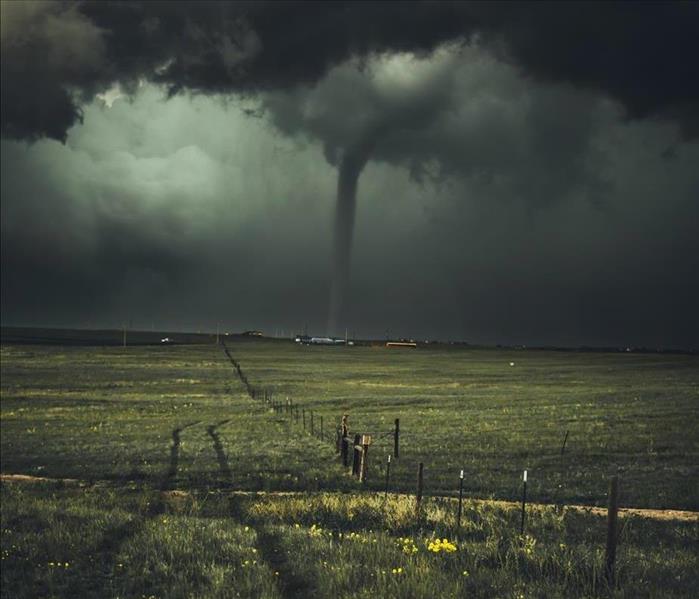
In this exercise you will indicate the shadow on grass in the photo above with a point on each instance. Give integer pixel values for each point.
(174, 456)
(221, 457)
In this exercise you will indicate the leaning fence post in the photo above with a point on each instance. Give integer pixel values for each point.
(396, 435)
(344, 447)
(524, 501)
(341, 444)
(418, 496)
(461, 498)
(612, 512)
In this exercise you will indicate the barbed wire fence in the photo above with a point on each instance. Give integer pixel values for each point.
(353, 451)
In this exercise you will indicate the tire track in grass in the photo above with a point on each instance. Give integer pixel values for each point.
(102, 560)
(114, 540)
(291, 585)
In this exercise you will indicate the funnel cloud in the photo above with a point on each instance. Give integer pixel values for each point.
(351, 165)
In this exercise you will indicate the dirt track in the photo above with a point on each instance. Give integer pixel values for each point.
(655, 514)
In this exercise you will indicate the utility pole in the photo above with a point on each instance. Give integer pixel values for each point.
(217, 327)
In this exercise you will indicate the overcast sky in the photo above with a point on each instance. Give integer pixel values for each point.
(528, 173)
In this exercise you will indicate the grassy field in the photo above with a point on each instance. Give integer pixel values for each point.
(179, 475)
(169, 416)
(494, 413)
(59, 541)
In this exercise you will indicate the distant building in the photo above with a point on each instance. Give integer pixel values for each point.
(401, 344)
(252, 333)
(308, 340)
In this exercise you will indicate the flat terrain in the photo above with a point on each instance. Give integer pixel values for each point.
(183, 486)
(494, 413)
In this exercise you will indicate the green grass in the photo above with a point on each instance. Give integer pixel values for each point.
(627, 414)
(146, 414)
(110, 413)
(104, 542)
(170, 453)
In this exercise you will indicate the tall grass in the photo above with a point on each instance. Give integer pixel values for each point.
(105, 543)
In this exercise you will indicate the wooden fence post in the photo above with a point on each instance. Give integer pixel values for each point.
(344, 448)
(344, 431)
(364, 465)
(321, 428)
(418, 496)
(303, 413)
(396, 435)
(612, 512)
(356, 457)
(312, 427)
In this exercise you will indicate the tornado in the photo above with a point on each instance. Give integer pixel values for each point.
(351, 165)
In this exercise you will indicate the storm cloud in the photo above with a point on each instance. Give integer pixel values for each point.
(57, 54)
(528, 171)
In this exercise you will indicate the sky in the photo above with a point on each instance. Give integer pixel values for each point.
(518, 173)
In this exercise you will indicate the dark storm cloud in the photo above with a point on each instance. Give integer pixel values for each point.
(54, 55)
(523, 176)
(458, 112)
(51, 59)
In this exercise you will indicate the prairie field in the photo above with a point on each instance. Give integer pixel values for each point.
(149, 471)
